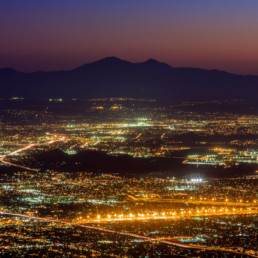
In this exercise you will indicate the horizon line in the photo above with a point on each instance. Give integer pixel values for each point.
(124, 60)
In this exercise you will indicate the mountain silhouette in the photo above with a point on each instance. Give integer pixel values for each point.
(113, 77)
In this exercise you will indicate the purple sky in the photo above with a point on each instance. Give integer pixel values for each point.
(62, 34)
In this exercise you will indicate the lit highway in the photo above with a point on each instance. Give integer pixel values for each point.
(192, 201)
(170, 215)
(176, 243)
(169, 241)
(30, 146)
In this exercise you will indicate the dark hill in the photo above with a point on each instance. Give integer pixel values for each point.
(113, 77)
(125, 165)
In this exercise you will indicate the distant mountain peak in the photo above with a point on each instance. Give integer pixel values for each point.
(152, 60)
(107, 61)
(111, 59)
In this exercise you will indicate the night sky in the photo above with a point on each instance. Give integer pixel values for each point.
(61, 34)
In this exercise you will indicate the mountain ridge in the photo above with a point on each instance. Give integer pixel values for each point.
(114, 77)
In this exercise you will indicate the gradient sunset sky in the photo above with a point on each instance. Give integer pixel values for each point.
(61, 34)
